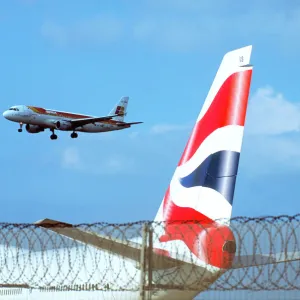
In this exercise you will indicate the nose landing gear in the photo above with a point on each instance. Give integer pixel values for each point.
(20, 129)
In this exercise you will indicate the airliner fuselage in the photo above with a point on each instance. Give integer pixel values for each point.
(37, 119)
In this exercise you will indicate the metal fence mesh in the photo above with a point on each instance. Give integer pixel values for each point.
(49, 258)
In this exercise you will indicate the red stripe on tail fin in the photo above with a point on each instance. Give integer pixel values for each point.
(228, 108)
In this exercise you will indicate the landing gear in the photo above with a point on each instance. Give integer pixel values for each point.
(74, 135)
(20, 129)
(53, 136)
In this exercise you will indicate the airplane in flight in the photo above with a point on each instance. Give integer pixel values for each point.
(201, 189)
(37, 119)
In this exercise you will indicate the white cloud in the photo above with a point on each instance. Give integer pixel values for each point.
(272, 137)
(117, 164)
(166, 128)
(71, 158)
(88, 161)
(99, 30)
(133, 134)
(270, 154)
(271, 114)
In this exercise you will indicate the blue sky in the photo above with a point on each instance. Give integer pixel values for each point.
(82, 56)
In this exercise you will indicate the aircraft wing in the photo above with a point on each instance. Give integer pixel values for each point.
(126, 249)
(246, 261)
(85, 121)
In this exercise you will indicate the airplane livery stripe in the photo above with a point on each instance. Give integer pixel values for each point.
(49, 112)
(227, 138)
(218, 172)
(228, 108)
(55, 113)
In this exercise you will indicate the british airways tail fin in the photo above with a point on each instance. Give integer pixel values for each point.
(202, 187)
(120, 109)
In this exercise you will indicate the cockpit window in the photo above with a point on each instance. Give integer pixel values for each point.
(14, 108)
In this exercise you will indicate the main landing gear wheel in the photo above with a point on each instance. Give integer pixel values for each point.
(74, 135)
(20, 129)
(53, 136)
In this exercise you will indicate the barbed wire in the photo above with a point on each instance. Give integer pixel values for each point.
(178, 255)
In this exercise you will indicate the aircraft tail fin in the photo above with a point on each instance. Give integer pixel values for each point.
(120, 109)
(202, 187)
(204, 180)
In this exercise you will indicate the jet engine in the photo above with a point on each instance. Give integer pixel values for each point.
(33, 128)
(63, 125)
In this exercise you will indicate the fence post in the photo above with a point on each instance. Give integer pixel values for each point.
(149, 259)
(143, 261)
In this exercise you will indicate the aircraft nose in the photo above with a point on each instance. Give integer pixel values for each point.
(5, 114)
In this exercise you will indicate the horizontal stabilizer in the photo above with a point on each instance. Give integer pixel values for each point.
(132, 250)
(132, 123)
(258, 260)
(126, 249)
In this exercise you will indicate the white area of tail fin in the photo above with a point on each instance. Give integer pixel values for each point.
(233, 61)
(120, 109)
(202, 187)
